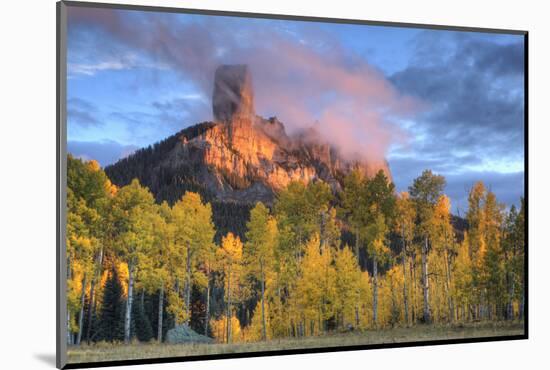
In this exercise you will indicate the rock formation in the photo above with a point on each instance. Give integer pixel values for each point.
(240, 157)
(233, 98)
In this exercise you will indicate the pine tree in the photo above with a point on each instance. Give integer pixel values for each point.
(111, 315)
(141, 323)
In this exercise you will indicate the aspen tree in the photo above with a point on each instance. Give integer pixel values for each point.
(425, 191)
(133, 207)
(230, 257)
(259, 251)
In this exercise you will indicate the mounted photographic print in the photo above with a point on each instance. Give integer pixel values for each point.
(234, 184)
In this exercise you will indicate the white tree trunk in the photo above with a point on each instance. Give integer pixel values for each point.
(207, 311)
(359, 265)
(129, 301)
(228, 314)
(264, 334)
(413, 281)
(375, 292)
(91, 309)
(81, 314)
(188, 287)
(405, 293)
(425, 282)
(69, 334)
(448, 292)
(161, 308)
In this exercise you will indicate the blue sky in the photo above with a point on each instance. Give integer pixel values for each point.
(448, 101)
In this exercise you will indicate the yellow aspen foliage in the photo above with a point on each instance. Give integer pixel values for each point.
(253, 332)
(278, 318)
(230, 257)
(348, 286)
(365, 299)
(316, 288)
(390, 295)
(176, 307)
(93, 165)
(405, 216)
(438, 297)
(231, 250)
(122, 270)
(219, 329)
(73, 301)
(463, 274)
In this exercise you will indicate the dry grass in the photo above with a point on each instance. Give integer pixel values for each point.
(110, 352)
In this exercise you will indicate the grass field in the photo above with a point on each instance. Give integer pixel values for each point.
(110, 352)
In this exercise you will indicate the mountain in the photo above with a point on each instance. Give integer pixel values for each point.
(238, 158)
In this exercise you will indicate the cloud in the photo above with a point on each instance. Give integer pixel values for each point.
(473, 128)
(475, 91)
(91, 69)
(81, 112)
(110, 63)
(300, 74)
(105, 152)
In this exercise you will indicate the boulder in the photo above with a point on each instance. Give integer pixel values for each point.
(184, 334)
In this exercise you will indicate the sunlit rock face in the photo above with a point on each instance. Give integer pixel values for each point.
(245, 158)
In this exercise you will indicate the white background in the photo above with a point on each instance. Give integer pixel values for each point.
(27, 182)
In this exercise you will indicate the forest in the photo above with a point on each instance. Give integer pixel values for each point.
(314, 262)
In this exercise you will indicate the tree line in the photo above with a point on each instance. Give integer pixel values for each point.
(314, 262)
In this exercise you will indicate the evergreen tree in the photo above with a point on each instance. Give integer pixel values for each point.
(141, 325)
(111, 326)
